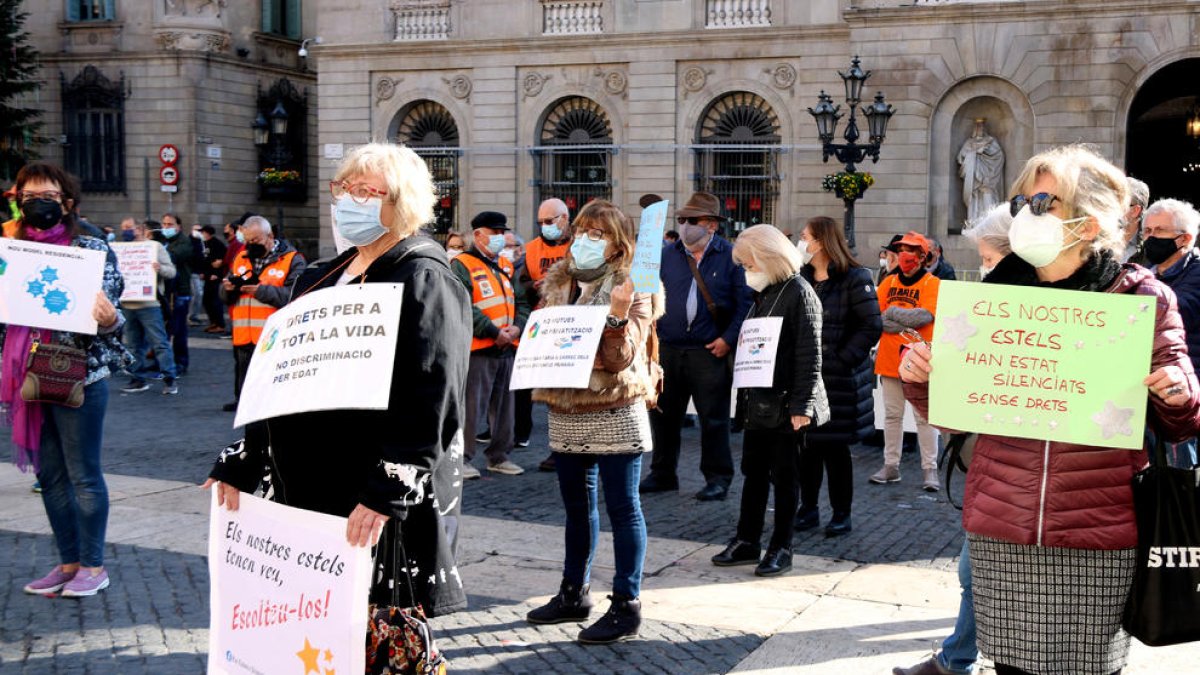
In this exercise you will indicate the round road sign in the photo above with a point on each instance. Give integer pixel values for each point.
(168, 175)
(168, 154)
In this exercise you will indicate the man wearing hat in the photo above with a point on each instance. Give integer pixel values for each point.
(887, 259)
(907, 300)
(707, 299)
(498, 311)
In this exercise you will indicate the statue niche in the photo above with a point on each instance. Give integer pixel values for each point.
(981, 167)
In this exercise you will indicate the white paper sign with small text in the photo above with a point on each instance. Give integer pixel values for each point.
(136, 261)
(331, 349)
(49, 286)
(558, 347)
(758, 343)
(287, 592)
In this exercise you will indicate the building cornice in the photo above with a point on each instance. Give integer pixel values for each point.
(1007, 12)
(123, 59)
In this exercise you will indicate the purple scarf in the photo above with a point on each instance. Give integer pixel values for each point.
(25, 418)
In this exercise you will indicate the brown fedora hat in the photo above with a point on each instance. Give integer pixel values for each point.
(701, 204)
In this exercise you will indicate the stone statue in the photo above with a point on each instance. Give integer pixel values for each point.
(981, 166)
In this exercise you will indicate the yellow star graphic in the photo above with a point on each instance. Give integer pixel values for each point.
(329, 656)
(309, 656)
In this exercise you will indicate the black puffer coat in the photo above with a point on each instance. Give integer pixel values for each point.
(850, 326)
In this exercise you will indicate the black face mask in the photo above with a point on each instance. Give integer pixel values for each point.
(41, 213)
(1158, 249)
(256, 251)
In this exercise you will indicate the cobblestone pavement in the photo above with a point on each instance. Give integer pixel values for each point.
(154, 618)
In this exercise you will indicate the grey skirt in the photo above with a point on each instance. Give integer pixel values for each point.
(1051, 610)
(617, 431)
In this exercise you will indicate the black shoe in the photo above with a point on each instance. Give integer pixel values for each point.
(547, 464)
(620, 622)
(838, 525)
(777, 561)
(230, 407)
(485, 437)
(655, 484)
(571, 604)
(712, 493)
(806, 518)
(737, 553)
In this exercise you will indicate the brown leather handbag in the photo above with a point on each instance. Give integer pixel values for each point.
(54, 374)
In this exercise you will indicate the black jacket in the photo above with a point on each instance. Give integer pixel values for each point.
(330, 461)
(183, 255)
(798, 359)
(850, 327)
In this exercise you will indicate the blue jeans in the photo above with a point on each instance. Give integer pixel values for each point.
(144, 330)
(73, 489)
(179, 330)
(959, 651)
(577, 476)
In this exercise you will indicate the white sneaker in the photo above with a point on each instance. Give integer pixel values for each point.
(469, 472)
(507, 468)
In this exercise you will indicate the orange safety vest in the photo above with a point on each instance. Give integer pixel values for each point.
(492, 294)
(892, 293)
(248, 314)
(540, 256)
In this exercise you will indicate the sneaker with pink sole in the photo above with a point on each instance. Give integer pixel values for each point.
(85, 584)
(51, 583)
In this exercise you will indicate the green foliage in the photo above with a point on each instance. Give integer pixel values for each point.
(19, 126)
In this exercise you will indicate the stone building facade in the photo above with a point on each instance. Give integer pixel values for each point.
(122, 78)
(514, 100)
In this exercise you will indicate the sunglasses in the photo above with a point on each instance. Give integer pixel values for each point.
(690, 220)
(1038, 204)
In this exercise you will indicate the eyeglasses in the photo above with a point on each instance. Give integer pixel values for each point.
(1038, 204)
(360, 193)
(594, 235)
(52, 195)
(690, 220)
(549, 221)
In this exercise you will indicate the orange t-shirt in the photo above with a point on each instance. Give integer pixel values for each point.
(923, 295)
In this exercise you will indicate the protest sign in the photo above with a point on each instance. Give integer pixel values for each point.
(136, 261)
(330, 349)
(48, 286)
(1041, 363)
(287, 592)
(754, 362)
(647, 255)
(559, 347)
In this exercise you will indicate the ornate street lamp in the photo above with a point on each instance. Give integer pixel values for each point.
(279, 120)
(851, 152)
(262, 131)
(270, 135)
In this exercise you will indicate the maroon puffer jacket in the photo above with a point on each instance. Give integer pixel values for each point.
(1074, 496)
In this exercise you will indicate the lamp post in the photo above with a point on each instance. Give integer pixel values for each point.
(826, 115)
(272, 132)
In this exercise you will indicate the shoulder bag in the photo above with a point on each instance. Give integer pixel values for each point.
(54, 373)
(399, 639)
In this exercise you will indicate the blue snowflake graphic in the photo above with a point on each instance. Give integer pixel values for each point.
(49, 275)
(35, 288)
(56, 301)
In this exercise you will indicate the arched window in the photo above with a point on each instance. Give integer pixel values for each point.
(731, 162)
(429, 129)
(573, 159)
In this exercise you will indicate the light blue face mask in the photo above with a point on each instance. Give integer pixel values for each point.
(359, 224)
(588, 254)
(241, 238)
(552, 232)
(170, 232)
(495, 244)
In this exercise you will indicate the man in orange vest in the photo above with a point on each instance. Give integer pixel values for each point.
(499, 311)
(259, 283)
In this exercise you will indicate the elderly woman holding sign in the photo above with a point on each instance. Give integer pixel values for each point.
(600, 432)
(776, 412)
(403, 463)
(1051, 524)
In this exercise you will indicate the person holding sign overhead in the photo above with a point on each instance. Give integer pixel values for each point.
(776, 416)
(1051, 525)
(599, 433)
(61, 440)
(402, 463)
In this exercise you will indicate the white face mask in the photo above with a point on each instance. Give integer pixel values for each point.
(984, 270)
(509, 254)
(757, 280)
(805, 255)
(1038, 240)
(453, 253)
(883, 263)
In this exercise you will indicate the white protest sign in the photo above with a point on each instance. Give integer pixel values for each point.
(647, 255)
(136, 261)
(559, 347)
(49, 286)
(754, 364)
(331, 349)
(287, 593)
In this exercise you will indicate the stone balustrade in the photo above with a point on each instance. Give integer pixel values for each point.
(572, 17)
(737, 13)
(422, 20)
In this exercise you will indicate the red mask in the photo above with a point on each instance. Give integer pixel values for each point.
(909, 262)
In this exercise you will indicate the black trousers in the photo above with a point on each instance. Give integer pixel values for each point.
(769, 459)
(818, 458)
(693, 373)
(213, 307)
(241, 364)
(522, 414)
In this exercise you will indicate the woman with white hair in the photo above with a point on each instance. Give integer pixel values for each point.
(1051, 524)
(776, 417)
(403, 463)
(990, 234)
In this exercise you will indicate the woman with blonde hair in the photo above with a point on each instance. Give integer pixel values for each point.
(1051, 524)
(776, 418)
(403, 463)
(598, 434)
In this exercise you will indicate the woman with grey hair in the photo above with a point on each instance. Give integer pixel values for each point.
(1051, 524)
(990, 234)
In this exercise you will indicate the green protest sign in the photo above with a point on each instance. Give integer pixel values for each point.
(1041, 363)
